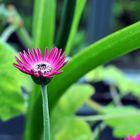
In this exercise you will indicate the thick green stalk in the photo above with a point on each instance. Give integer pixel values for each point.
(46, 118)
(44, 23)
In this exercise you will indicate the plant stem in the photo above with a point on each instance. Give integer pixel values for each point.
(109, 116)
(115, 96)
(97, 130)
(95, 106)
(7, 32)
(24, 37)
(46, 119)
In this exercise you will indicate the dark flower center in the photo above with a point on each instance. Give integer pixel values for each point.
(43, 67)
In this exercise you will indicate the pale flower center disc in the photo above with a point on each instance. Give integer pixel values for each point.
(43, 67)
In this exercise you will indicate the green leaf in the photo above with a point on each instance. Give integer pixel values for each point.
(73, 129)
(80, 4)
(11, 99)
(124, 126)
(74, 98)
(78, 92)
(101, 52)
(71, 101)
(65, 23)
(44, 23)
(116, 77)
(64, 124)
(96, 74)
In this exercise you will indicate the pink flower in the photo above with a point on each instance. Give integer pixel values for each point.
(34, 64)
(133, 138)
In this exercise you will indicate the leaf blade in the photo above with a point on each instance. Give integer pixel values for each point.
(66, 22)
(11, 98)
(102, 51)
(80, 4)
(44, 18)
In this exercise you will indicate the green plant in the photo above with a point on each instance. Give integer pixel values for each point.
(99, 53)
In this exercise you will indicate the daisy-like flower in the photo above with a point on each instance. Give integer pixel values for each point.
(39, 67)
(133, 138)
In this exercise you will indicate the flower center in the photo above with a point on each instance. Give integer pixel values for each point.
(43, 67)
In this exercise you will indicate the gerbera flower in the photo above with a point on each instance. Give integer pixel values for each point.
(133, 138)
(34, 64)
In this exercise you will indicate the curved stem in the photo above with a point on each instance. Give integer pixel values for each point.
(46, 118)
(7, 32)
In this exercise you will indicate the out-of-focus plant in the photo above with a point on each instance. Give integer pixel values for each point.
(123, 119)
(65, 124)
(126, 12)
(115, 77)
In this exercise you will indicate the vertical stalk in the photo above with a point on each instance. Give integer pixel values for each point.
(46, 118)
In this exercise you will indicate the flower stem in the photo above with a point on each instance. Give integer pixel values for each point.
(46, 119)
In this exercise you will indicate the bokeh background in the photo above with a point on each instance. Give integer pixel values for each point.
(100, 18)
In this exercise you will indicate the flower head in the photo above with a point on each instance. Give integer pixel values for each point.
(34, 64)
(133, 138)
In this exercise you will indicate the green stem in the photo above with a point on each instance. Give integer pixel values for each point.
(115, 96)
(109, 116)
(95, 106)
(98, 129)
(46, 119)
(7, 32)
(24, 37)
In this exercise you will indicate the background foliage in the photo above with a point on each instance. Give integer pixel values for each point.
(67, 95)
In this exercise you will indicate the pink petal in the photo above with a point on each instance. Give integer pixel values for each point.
(39, 54)
(24, 61)
(129, 138)
(22, 69)
(52, 53)
(60, 66)
(55, 55)
(56, 59)
(31, 57)
(34, 73)
(46, 55)
(137, 137)
(18, 61)
(61, 58)
(35, 54)
(61, 61)
(58, 56)
(26, 56)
